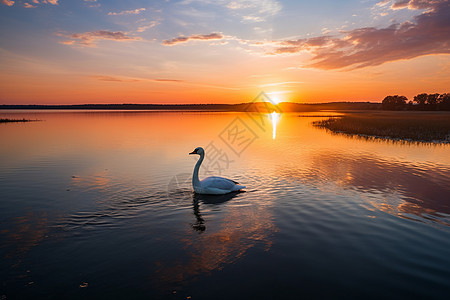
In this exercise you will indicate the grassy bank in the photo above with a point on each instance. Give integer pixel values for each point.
(415, 126)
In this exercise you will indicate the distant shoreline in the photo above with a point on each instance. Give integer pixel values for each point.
(241, 107)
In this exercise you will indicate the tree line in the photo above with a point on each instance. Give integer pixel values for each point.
(420, 102)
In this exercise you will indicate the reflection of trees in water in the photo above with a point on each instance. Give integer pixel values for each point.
(242, 228)
(416, 189)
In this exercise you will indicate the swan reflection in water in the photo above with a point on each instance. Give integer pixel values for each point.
(199, 224)
(236, 229)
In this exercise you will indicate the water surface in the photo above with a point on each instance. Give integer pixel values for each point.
(99, 205)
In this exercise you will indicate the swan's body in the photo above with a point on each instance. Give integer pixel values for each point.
(211, 185)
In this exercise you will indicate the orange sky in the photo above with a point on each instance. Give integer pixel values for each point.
(195, 51)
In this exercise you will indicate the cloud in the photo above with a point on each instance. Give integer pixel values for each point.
(383, 3)
(54, 2)
(415, 4)
(148, 25)
(92, 3)
(8, 2)
(427, 33)
(250, 11)
(184, 39)
(28, 5)
(127, 12)
(400, 4)
(89, 38)
(167, 80)
(111, 78)
(118, 79)
(254, 10)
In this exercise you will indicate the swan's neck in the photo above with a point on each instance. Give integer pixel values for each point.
(195, 179)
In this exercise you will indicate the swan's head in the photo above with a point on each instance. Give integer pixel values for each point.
(198, 150)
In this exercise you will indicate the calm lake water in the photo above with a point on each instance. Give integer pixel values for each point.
(99, 205)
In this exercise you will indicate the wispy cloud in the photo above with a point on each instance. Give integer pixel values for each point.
(89, 38)
(201, 37)
(109, 78)
(144, 26)
(114, 79)
(127, 12)
(254, 10)
(383, 3)
(122, 79)
(248, 10)
(92, 3)
(427, 33)
(167, 80)
(28, 5)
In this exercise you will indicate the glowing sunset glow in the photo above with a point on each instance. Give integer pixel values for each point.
(70, 52)
(277, 97)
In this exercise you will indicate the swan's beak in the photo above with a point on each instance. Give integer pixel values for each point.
(193, 152)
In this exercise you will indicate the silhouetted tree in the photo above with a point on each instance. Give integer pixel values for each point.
(444, 102)
(432, 101)
(421, 99)
(395, 102)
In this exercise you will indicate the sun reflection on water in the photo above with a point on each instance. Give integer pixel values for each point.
(275, 118)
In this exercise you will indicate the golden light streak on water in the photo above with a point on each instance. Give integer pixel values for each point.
(274, 117)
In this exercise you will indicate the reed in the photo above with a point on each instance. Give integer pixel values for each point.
(415, 126)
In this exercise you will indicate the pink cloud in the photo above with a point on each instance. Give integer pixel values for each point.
(150, 24)
(89, 38)
(417, 4)
(428, 33)
(8, 2)
(400, 4)
(184, 39)
(28, 5)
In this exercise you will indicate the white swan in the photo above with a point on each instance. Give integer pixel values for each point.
(212, 185)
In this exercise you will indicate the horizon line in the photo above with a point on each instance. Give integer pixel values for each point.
(185, 104)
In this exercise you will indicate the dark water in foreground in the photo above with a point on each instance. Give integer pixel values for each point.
(98, 206)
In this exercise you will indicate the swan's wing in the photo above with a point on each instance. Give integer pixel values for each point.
(219, 183)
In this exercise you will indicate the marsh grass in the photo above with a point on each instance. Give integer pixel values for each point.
(412, 126)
